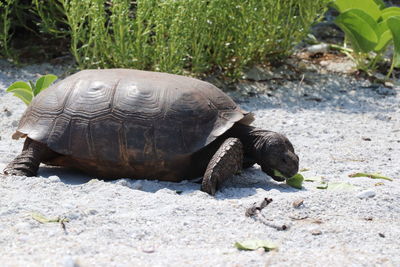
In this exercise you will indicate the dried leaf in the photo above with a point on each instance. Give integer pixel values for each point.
(254, 244)
(370, 175)
(42, 219)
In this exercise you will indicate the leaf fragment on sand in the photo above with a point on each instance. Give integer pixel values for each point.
(313, 179)
(295, 181)
(370, 175)
(42, 219)
(253, 244)
(336, 186)
(304, 169)
(323, 185)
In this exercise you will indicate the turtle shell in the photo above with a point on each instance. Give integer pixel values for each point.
(129, 116)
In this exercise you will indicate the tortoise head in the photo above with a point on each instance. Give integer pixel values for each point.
(275, 152)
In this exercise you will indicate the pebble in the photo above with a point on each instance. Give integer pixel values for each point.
(297, 203)
(366, 194)
(137, 185)
(54, 179)
(70, 262)
(316, 232)
(318, 48)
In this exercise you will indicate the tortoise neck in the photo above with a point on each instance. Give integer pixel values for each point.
(253, 139)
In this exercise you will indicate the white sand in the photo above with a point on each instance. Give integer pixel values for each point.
(150, 223)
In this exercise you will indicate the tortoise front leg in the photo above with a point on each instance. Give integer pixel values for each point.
(223, 165)
(27, 163)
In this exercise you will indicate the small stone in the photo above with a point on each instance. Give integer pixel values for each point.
(7, 112)
(123, 182)
(316, 232)
(389, 84)
(261, 251)
(92, 212)
(53, 179)
(137, 185)
(366, 194)
(385, 91)
(70, 262)
(148, 249)
(297, 203)
(318, 48)
(381, 235)
(166, 191)
(366, 138)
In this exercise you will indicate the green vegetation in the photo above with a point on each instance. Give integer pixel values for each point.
(165, 35)
(370, 28)
(253, 244)
(27, 90)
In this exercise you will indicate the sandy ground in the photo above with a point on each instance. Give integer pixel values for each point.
(338, 125)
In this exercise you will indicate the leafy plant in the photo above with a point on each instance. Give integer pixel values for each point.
(185, 35)
(5, 25)
(26, 91)
(370, 27)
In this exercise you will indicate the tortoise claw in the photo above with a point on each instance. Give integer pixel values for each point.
(226, 162)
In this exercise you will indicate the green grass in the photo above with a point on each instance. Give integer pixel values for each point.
(175, 36)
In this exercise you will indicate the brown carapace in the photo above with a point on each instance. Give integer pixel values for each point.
(145, 125)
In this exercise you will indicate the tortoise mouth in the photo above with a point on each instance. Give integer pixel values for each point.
(271, 173)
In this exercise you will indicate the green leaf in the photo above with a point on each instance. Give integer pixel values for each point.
(394, 26)
(360, 28)
(322, 186)
(390, 12)
(372, 8)
(44, 82)
(278, 174)
(385, 36)
(254, 244)
(380, 3)
(21, 90)
(313, 179)
(370, 175)
(295, 181)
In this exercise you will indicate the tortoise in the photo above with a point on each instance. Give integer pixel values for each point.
(116, 123)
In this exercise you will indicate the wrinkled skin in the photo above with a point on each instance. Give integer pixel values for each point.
(277, 153)
(271, 150)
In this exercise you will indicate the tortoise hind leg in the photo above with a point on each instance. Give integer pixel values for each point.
(27, 163)
(223, 165)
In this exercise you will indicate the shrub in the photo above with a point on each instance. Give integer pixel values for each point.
(178, 35)
(5, 25)
(370, 27)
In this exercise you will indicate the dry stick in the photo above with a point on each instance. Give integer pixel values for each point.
(300, 83)
(255, 212)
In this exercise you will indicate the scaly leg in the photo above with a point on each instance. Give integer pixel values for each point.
(223, 165)
(27, 163)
